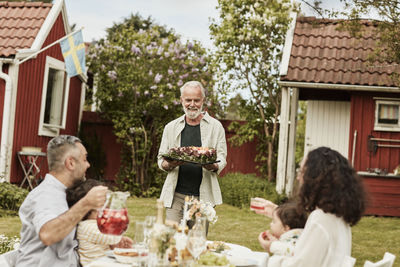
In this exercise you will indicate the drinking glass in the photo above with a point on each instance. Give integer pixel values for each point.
(148, 225)
(255, 204)
(140, 242)
(196, 242)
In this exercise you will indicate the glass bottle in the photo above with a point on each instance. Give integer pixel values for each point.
(159, 239)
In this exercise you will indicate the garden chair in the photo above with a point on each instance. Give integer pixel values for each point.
(9, 258)
(348, 262)
(387, 261)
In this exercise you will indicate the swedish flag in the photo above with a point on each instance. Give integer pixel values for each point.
(73, 50)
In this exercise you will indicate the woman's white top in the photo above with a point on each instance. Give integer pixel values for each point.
(325, 242)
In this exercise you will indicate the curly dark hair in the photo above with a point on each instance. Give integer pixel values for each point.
(78, 191)
(291, 215)
(331, 184)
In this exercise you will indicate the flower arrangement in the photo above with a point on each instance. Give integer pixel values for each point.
(8, 243)
(161, 239)
(200, 208)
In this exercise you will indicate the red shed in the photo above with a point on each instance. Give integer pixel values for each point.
(353, 105)
(37, 99)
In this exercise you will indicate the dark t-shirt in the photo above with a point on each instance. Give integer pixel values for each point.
(190, 175)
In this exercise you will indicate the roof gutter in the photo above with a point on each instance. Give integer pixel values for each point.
(6, 117)
(347, 87)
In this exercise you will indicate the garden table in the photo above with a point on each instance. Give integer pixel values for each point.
(243, 256)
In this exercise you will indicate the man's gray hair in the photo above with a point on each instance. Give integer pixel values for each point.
(194, 84)
(58, 148)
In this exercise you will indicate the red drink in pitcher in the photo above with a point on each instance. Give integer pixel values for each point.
(113, 219)
(113, 222)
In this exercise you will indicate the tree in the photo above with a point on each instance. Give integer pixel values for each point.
(249, 36)
(138, 70)
(232, 111)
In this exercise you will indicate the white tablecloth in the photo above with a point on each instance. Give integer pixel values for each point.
(239, 255)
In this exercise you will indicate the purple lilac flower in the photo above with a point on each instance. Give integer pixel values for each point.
(202, 60)
(160, 50)
(184, 76)
(112, 75)
(146, 93)
(154, 87)
(189, 46)
(149, 49)
(164, 41)
(195, 70)
(184, 66)
(170, 72)
(157, 78)
(161, 95)
(150, 73)
(180, 83)
(175, 102)
(165, 107)
(136, 50)
(169, 85)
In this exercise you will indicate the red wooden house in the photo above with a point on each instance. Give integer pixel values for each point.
(353, 106)
(37, 99)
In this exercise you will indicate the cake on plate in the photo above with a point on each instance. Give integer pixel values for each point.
(194, 154)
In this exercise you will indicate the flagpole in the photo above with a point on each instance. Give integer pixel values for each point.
(50, 45)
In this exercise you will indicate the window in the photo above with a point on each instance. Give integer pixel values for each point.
(54, 98)
(387, 114)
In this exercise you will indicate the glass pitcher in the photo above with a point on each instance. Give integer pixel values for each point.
(113, 219)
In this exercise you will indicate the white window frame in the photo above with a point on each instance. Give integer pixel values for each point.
(46, 129)
(387, 127)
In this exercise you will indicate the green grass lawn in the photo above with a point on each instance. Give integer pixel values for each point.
(372, 237)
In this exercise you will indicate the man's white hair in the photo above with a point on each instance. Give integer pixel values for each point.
(194, 84)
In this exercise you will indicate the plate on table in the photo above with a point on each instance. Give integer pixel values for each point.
(127, 255)
(189, 161)
(241, 262)
(110, 254)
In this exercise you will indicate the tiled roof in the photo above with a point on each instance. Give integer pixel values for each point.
(321, 53)
(20, 22)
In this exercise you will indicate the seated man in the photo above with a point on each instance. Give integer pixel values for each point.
(48, 226)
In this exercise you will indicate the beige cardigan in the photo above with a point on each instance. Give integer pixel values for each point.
(212, 135)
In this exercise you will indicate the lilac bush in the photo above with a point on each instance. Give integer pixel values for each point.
(138, 73)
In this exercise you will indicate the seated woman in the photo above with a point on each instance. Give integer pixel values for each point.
(334, 195)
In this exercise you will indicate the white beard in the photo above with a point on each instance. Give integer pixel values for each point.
(192, 114)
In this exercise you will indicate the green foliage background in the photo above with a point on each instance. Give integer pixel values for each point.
(138, 71)
(249, 37)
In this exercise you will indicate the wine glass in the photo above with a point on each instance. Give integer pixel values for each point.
(140, 241)
(148, 225)
(196, 242)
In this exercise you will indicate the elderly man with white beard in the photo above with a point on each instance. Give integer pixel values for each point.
(194, 128)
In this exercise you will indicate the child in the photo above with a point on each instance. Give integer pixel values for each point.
(285, 228)
(92, 243)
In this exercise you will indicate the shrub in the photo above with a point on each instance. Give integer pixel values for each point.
(11, 196)
(237, 189)
(8, 243)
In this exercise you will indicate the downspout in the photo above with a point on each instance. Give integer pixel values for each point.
(6, 118)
